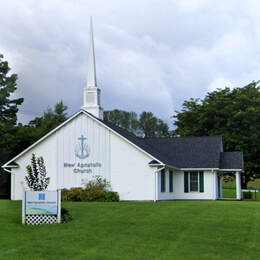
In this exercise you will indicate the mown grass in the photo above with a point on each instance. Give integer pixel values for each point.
(129, 230)
(229, 189)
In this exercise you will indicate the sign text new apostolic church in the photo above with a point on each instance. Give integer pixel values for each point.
(82, 151)
(82, 167)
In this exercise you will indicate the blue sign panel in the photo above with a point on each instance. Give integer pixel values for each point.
(41, 203)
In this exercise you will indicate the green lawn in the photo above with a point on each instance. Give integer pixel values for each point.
(229, 189)
(229, 193)
(137, 230)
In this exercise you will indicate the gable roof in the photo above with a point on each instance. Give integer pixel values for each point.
(176, 152)
(119, 131)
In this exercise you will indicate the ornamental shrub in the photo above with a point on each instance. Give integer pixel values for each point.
(95, 190)
(98, 183)
(36, 174)
(92, 194)
(111, 196)
(65, 215)
(74, 194)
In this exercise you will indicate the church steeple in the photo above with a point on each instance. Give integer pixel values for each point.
(91, 94)
(92, 81)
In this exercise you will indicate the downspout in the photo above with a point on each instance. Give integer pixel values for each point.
(156, 182)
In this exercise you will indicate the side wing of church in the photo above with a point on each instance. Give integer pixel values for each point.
(144, 169)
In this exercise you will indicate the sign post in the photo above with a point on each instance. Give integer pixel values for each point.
(41, 207)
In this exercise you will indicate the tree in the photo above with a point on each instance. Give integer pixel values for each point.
(36, 178)
(50, 119)
(233, 114)
(8, 118)
(151, 126)
(28, 134)
(126, 120)
(8, 110)
(147, 125)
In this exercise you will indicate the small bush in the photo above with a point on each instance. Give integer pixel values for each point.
(98, 183)
(95, 190)
(65, 215)
(92, 194)
(74, 194)
(111, 196)
(36, 174)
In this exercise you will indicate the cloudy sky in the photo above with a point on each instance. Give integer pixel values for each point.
(150, 55)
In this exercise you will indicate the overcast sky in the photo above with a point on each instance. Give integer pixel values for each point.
(150, 55)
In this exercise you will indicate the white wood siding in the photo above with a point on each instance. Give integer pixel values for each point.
(178, 187)
(131, 175)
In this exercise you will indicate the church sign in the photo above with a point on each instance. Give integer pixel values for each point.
(82, 167)
(41, 207)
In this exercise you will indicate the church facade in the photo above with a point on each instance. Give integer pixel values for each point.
(139, 169)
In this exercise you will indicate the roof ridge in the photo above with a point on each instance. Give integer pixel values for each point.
(182, 137)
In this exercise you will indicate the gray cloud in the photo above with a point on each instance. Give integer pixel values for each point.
(150, 55)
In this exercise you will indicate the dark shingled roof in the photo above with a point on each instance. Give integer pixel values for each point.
(188, 152)
(231, 160)
(185, 152)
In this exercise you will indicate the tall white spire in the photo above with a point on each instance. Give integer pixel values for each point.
(92, 82)
(91, 94)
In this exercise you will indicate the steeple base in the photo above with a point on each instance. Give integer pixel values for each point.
(96, 111)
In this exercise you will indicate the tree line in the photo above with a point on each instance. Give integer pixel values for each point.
(231, 113)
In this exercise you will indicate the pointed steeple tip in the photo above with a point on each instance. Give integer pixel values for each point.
(91, 94)
(91, 80)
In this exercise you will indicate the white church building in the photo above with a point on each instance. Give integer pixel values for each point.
(139, 169)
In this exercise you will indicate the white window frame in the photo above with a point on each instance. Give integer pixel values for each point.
(198, 183)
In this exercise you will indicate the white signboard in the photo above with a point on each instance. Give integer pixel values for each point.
(41, 203)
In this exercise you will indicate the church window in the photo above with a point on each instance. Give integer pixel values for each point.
(194, 181)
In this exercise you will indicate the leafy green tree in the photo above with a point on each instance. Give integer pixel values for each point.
(151, 126)
(162, 129)
(8, 110)
(8, 119)
(147, 125)
(50, 119)
(126, 120)
(28, 134)
(234, 114)
(36, 174)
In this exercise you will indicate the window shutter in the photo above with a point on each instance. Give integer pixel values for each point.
(163, 180)
(201, 180)
(186, 182)
(170, 181)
